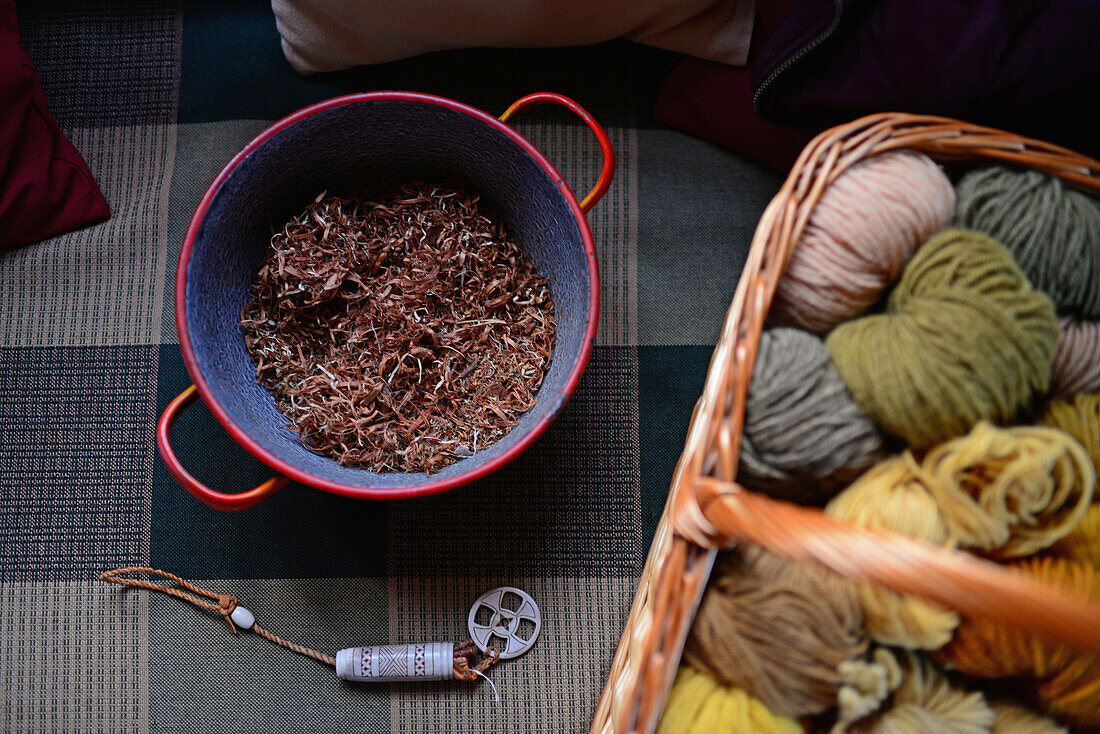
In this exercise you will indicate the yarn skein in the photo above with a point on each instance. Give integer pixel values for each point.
(777, 629)
(965, 338)
(1052, 230)
(924, 701)
(1083, 544)
(1010, 492)
(698, 704)
(1076, 366)
(1080, 418)
(890, 497)
(859, 235)
(804, 435)
(1009, 718)
(1006, 492)
(1067, 682)
(865, 685)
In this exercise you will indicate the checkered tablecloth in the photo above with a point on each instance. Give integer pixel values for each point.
(158, 96)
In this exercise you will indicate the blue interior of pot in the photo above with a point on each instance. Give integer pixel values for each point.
(339, 148)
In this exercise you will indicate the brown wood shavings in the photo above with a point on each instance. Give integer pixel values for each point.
(399, 332)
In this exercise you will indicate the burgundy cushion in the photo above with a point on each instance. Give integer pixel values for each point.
(714, 101)
(45, 186)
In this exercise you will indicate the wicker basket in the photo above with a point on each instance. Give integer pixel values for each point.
(707, 510)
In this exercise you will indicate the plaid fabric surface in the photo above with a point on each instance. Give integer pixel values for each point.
(158, 96)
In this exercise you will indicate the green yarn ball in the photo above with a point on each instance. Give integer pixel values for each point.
(1051, 229)
(964, 338)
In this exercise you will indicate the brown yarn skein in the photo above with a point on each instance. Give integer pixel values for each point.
(777, 629)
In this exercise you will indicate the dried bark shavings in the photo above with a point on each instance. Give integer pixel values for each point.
(399, 332)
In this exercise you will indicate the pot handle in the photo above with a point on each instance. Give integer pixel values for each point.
(608, 172)
(217, 500)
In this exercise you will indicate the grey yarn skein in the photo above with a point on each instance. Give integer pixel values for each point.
(1052, 230)
(805, 436)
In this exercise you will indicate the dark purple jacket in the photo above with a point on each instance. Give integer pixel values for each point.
(1029, 66)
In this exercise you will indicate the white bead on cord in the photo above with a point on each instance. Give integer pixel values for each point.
(242, 617)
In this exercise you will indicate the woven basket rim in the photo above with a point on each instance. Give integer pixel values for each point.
(707, 510)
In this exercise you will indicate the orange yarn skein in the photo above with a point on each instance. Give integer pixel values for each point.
(1067, 682)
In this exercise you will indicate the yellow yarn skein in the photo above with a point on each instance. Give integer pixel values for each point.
(1007, 492)
(965, 338)
(889, 496)
(698, 704)
(1083, 544)
(1078, 416)
(1010, 492)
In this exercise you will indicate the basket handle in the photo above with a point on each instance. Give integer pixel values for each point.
(209, 497)
(603, 183)
(952, 578)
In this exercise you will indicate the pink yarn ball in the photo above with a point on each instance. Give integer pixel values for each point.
(1076, 366)
(866, 225)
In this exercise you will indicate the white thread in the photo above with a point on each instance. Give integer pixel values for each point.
(496, 696)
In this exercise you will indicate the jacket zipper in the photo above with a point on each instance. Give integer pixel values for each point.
(797, 56)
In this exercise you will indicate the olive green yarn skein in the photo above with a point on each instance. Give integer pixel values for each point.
(964, 338)
(1051, 230)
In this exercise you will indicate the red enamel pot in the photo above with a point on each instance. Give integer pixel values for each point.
(336, 143)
